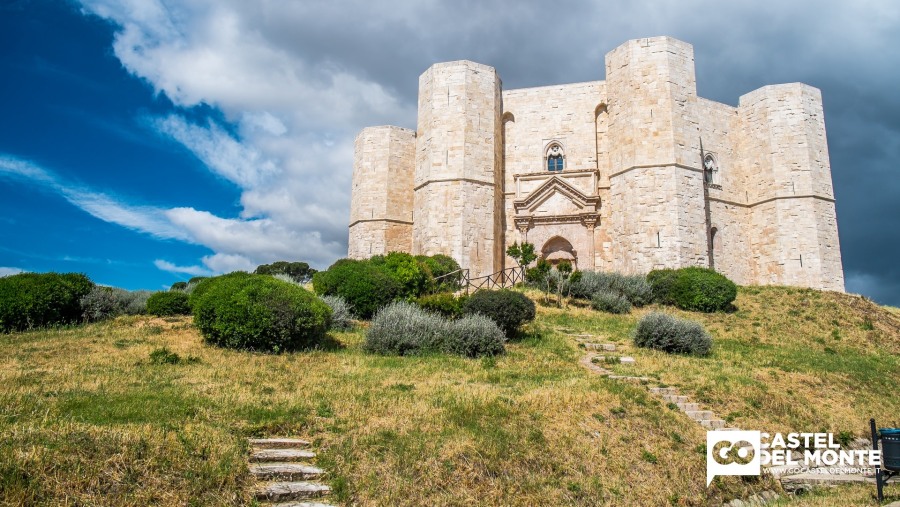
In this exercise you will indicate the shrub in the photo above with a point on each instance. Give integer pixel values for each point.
(443, 303)
(364, 286)
(409, 274)
(102, 303)
(634, 288)
(474, 336)
(197, 279)
(168, 303)
(341, 314)
(29, 300)
(664, 332)
(404, 329)
(438, 267)
(258, 312)
(535, 276)
(509, 309)
(662, 282)
(135, 302)
(610, 302)
(702, 289)
(178, 286)
(299, 272)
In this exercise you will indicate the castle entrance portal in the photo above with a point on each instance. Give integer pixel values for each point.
(558, 249)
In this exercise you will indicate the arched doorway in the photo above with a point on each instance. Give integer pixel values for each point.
(558, 249)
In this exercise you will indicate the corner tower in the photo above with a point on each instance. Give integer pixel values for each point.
(381, 210)
(458, 205)
(793, 225)
(657, 205)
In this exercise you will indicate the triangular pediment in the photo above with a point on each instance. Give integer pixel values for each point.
(556, 197)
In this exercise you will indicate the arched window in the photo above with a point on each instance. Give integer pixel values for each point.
(556, 160)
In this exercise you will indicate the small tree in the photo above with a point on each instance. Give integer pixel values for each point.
(523, 254)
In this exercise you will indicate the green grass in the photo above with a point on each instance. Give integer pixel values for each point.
(89, 418)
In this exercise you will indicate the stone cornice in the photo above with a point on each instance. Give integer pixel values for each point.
(446, 180)
(390, 220)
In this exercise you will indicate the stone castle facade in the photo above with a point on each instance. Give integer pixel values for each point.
(629, 174)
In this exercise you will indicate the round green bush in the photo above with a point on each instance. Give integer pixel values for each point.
(364, 286)
(664, 332)
(509, 309)
(163, 304)
(179, 286)
(442, 303)
(610, 302)
(406, 270)
(32, 300)
(259, 312)
(702, 290)
(438, 267)
(662, 283)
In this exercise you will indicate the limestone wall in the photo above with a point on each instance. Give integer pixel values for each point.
(788, 181)
(381, 210)
(657, 209)
(457, 200)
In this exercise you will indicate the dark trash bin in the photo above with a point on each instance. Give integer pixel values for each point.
(890, 448)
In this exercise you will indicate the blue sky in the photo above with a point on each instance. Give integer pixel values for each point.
(147, 141)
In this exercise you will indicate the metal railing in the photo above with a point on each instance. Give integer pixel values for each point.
(499, 280)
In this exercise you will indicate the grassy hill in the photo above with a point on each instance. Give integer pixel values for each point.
(88, 418)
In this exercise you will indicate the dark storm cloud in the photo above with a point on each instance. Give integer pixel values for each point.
(847, 49)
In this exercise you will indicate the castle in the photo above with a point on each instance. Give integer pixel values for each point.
(629, 174)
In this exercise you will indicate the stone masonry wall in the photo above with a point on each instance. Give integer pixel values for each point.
(457, 205)
(381, 211)
(636, 140)
(532, 118)
(657, 208)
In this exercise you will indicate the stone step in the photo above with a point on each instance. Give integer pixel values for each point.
(688, 406)
(285, 491)
(626, 360)
(712, 424)
(278, 443)
(629, 378)
(608, 347)
(675, 398)
(664, 390)
(699, 415)
(280, 455)
(285, 471)
(300, 504)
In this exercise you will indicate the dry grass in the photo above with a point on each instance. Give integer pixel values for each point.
(87, 419)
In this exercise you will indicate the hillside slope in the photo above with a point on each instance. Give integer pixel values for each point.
(88, 418)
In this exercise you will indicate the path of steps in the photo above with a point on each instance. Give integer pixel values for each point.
(283, 476)
(796, 483)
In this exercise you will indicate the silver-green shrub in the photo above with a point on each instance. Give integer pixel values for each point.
(634, 288)
(135, 302)
(667, 333)
(402, 328)
(474, 336)
(610, 302)
(102, 303)
(341, 314)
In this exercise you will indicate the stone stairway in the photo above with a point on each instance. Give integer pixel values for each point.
(284, 478)
(794, 483)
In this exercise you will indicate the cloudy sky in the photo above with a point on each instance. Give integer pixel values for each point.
(148, 141)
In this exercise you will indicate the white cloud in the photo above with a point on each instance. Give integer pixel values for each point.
(224, 155)
(188, 270)
(10, 271)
